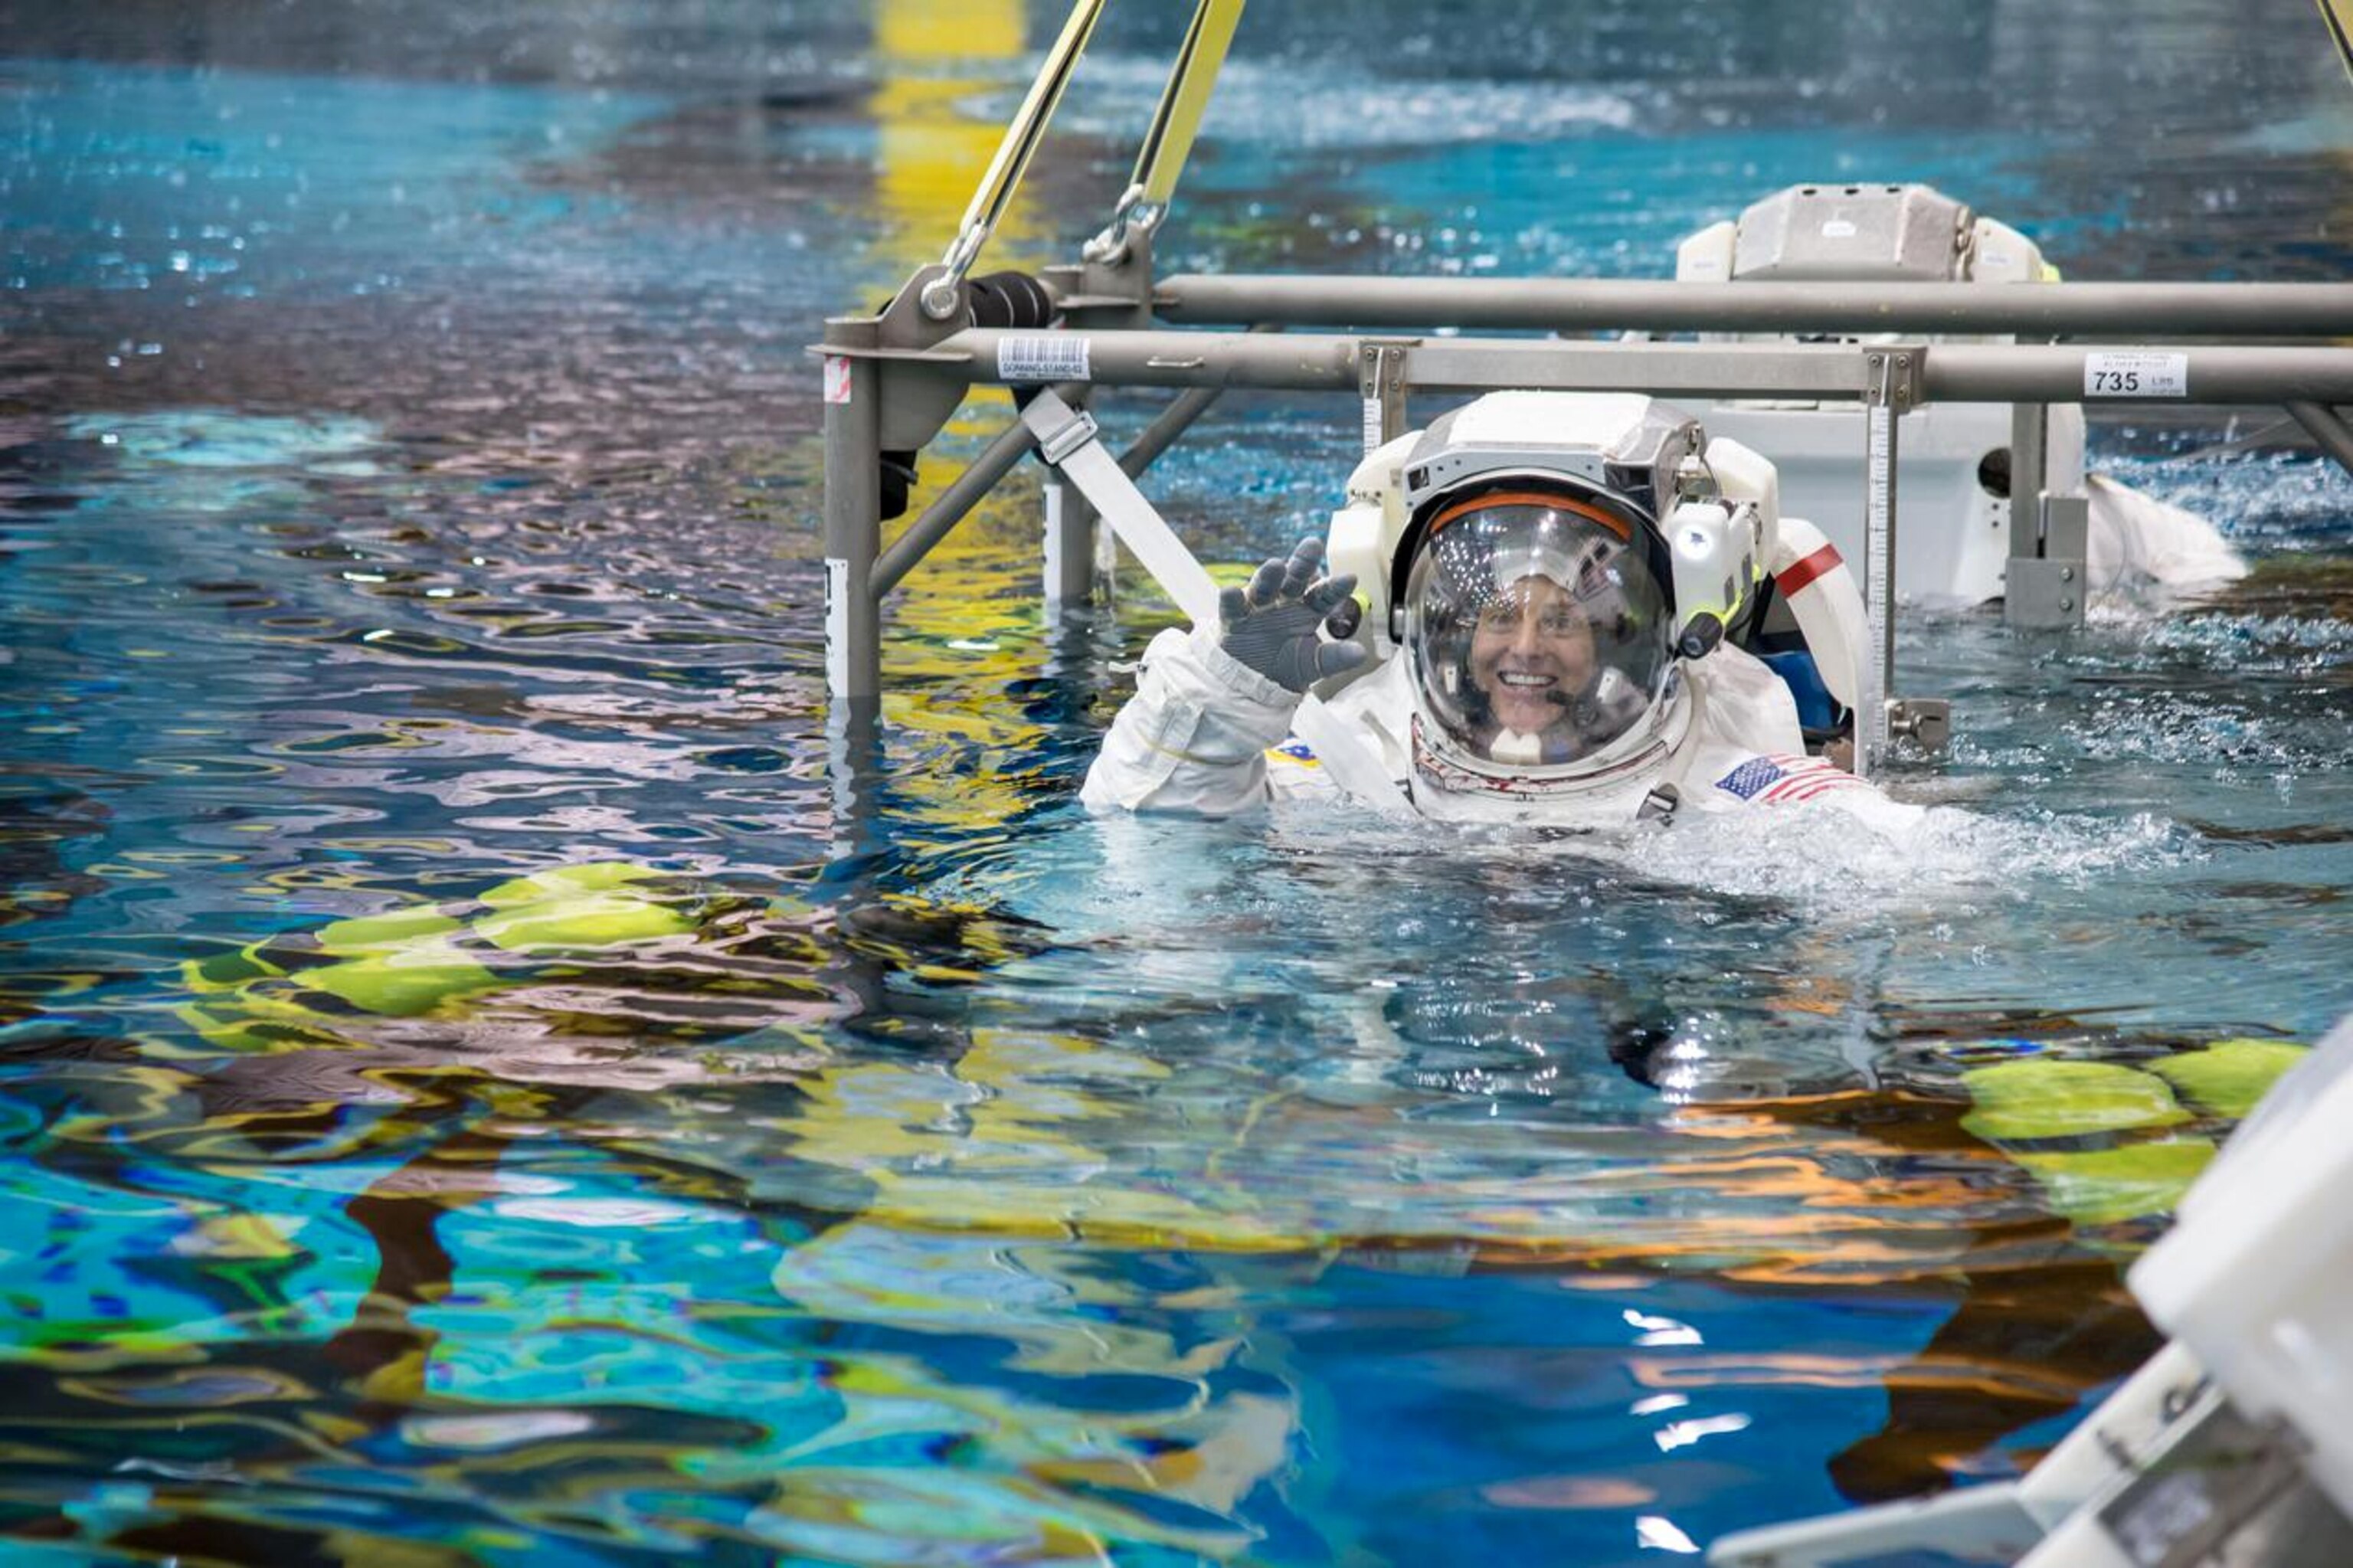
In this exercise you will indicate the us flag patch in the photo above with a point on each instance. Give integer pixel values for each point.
(1777, 777)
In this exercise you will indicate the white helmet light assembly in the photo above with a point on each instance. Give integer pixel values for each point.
(1707, 508)
(1641, 456)
(1716, 548)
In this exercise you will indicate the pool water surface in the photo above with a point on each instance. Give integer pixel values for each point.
(471, 1090)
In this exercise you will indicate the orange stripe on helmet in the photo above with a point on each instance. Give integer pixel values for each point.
(1552, 501)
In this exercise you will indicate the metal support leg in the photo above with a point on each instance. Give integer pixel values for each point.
(1891, 387)
(853, 623)
(2043, 582)
(853, 530)
(2030, 425)
(1069, 548)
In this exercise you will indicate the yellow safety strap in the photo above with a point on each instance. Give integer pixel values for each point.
(2338, 14)
(1184, 100)
(1028, 127)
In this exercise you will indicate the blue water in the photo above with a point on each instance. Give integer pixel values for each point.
(407, 485)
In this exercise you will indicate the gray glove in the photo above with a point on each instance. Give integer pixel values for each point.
(1270, 626)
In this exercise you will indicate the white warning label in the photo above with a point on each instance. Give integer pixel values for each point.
(1042, 359)
(836, 378)
(2136, 375)
(837, 625)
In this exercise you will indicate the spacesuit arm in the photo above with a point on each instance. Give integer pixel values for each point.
(1193, 736)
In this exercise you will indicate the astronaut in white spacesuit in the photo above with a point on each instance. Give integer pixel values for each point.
(1558, 587)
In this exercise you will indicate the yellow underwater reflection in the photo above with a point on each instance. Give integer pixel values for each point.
(500, 1161)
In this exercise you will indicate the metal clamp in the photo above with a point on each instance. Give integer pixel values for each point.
(1068, 437)
(1381, 382)
(1133, 216)
(943, 295)
(1925, 722)
(2050, 590)
(1895, 374)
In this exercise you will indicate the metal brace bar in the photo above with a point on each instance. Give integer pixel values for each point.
(1174, 421)
(2325, 426)
(1162, 433)
(1004, 454)
(999, 458)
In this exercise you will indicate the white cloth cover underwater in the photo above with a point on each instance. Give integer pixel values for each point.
(2138, 549)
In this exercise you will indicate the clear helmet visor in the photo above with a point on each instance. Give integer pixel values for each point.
(1537, 631)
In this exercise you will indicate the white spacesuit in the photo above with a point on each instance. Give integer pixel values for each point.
(1556, 585)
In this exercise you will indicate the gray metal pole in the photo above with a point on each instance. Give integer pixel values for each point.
(1955, 373)
(2327, 428)
(1562, 304)
(853, 530)
(2011, 373)
(1326, 363)
(2030, 426)
(1167, 358)
(1069, 540)
(853, 629)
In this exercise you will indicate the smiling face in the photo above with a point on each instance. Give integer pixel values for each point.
(1538, 614)
(1532, 655)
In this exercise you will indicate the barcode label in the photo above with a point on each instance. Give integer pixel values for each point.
(1042, 359)
(2136, 375)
